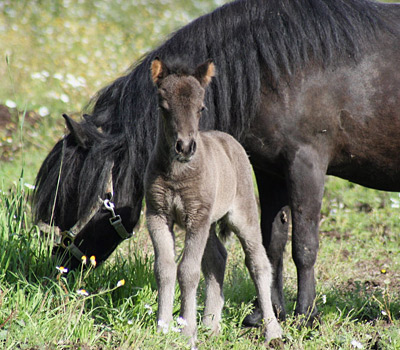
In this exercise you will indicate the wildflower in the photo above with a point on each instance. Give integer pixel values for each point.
(120, 283)
(64, 98)
(130, 322)
(163, 325)
(43, 111)
(181, 321)
(31, 187)
(84, 259)
(175, 329)
(356, 344)
(149, 309)
(62, 269)
(10, 104)
(93, 260)
(82, 292)
(324, 299)
(383, 271)
(384, 313)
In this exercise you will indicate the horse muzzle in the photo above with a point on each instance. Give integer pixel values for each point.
(185, 150)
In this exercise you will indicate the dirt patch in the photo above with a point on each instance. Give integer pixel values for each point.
(10, 120)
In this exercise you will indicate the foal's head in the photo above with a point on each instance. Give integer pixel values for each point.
(181, 101)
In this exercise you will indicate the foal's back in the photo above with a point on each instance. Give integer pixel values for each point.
(226, 171)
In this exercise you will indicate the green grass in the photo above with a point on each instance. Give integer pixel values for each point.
(55, 58)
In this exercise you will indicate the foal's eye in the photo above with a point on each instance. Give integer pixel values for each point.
(202, 108)
(164, 105)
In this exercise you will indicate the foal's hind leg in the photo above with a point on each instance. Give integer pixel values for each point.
(245, 225)
(213, 266)
(164, 267)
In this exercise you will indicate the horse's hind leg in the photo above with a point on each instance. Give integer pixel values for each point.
(164, 267)
(213, 266)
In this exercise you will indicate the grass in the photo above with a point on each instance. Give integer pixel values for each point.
(56, 57)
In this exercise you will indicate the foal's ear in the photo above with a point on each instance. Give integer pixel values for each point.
(205, 72)
(158, 70)
(77, 131)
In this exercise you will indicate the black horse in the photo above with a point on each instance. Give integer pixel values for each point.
(309, 87)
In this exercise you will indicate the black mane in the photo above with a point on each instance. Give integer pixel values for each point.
(251, 42)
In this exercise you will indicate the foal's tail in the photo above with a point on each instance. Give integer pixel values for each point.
(224, 233)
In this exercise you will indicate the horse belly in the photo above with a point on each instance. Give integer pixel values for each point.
(370, 157)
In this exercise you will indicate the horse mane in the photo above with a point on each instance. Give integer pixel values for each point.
(251, 42)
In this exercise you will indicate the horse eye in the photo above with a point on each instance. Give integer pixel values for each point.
(203, 108)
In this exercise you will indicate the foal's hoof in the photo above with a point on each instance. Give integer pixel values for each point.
(276, 344)
(254, 319)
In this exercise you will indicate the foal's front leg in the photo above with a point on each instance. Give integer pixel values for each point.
(164, 267)
(189, 276)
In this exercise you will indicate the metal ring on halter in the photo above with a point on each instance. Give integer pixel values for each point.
(109, 206)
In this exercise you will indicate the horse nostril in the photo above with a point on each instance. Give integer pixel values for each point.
(193, 147)
(179, 147)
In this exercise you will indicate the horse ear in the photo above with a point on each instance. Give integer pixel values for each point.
(158, 70)
(204, 72)
(77, 131)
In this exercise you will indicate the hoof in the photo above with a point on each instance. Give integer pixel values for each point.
(276, 344)
(254, 319)
(310, 321)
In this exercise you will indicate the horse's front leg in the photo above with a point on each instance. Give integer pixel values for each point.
(164, 267)
(306, 178)
(189, 276)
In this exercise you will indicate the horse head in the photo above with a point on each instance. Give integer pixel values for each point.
(82, 197)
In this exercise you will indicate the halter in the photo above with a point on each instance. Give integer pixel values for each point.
(65, 239)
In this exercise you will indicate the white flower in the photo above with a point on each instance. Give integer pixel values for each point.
(181, 321)
(324, 299)
(130, 322)
(62, 269)
(384, 313)
(31, 187)
(43, 111)
(120, 283)
(82, 292)
(163, 325)
(75, 82)
(58, 76)
(356, 344)
(64, 98)
(93, 261)
(149, 309)
(395, 203)
(10, 104)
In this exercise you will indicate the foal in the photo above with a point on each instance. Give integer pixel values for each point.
(196, 179)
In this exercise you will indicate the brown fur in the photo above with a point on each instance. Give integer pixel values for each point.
(196, 179)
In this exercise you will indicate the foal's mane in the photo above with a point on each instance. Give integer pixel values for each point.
(251, 42)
